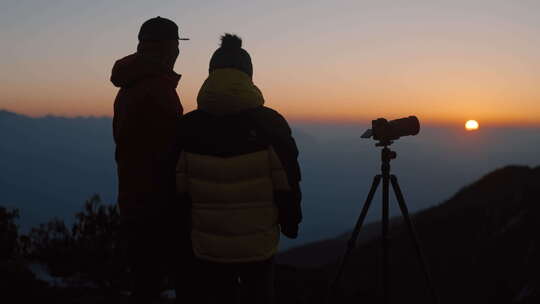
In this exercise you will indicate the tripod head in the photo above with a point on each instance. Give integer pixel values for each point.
(384, 143)
(386, 156)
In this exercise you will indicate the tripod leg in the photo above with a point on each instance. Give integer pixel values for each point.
(385, 239)
(414, 236)
(351, 244)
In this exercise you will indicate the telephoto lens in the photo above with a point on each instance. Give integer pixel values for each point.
(386, 131)
(404, 126)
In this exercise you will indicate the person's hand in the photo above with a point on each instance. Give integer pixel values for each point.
(290, 231)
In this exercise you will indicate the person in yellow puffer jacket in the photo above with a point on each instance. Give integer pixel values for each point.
(238, 170)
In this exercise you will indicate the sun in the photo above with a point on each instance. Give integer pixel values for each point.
(471, 125)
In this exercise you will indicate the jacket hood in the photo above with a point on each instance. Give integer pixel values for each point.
(133, 68)
(228, 91)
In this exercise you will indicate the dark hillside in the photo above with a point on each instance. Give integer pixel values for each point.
(324, 252)
(482, 246)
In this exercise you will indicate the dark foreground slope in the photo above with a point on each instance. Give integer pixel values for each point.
(482, 246)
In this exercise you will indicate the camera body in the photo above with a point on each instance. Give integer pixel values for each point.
(386, 131)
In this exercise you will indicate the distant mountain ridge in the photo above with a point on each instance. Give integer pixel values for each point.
(482, 246)
(51, 165)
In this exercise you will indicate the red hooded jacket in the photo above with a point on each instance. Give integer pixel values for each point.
(146, 113)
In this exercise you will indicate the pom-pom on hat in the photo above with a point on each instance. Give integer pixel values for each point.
(231, 55)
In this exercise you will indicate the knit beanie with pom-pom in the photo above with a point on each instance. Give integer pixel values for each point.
(231, 55)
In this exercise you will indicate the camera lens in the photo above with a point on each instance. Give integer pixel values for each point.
(404, 127)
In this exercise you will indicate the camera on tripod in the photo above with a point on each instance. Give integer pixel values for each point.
(386, 131)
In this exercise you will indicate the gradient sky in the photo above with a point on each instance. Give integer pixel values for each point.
(446, 61)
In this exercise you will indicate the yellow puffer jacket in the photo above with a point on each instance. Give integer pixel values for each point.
(230, 172)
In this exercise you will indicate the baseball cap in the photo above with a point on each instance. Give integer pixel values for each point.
(159, 28)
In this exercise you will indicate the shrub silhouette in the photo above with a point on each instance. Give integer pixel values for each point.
(8, 233)
(90, 251)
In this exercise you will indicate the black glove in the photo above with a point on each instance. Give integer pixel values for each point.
(290, 212)
(290, 230)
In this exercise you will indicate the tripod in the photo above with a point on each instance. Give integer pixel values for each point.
(386, 156)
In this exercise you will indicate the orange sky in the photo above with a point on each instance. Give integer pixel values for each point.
(313, 60)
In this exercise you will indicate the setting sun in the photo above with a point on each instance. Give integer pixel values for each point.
(471, 125)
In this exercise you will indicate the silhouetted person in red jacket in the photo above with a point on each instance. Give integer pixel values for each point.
(146, 113)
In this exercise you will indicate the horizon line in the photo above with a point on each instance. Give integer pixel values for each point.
(306, 120)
